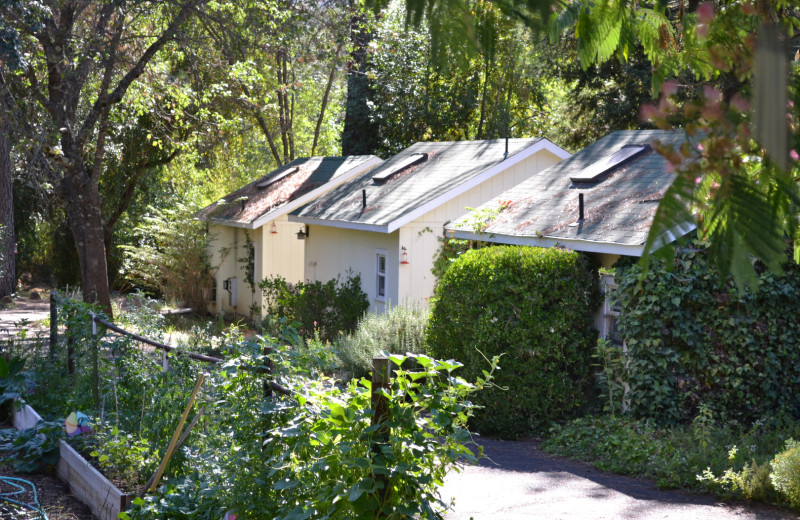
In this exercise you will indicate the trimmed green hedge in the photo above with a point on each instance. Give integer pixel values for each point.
(695, 340)
(535, 306)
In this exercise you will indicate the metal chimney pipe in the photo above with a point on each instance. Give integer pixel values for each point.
(363, 199)
(580, 207)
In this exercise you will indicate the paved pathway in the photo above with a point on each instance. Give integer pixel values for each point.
(522, 482)
(24, 313)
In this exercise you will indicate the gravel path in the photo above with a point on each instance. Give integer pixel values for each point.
(24, 313)
(519, 481)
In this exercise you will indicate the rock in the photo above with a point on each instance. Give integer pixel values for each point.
(36, 296)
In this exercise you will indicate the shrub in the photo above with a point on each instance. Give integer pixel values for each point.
(535, 307)
(695, 339)
(400, 329)
(786, 473)
(325, 308)
(171, 258)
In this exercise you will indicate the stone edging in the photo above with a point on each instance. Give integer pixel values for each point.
(86, 483)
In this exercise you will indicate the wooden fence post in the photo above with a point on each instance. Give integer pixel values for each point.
(380, 404)
(53, 322)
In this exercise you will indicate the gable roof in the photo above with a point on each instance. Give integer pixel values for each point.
(418, 179)
(620, 201)
(284, 189)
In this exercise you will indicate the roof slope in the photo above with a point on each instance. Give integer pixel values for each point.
(280, 187)
(393, 198)
(618, 207)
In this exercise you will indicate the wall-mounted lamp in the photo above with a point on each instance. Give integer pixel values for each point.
(303, 233)
(404, 255)
(274, 229)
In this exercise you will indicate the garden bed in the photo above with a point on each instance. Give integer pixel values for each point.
(87, 484)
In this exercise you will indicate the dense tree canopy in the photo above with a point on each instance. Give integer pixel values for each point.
(116, 107)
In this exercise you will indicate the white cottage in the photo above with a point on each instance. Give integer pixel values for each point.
(386, 224)
(251, 238)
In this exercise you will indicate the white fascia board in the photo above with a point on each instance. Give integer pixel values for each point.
(542, 144)
(230, 223)
(308, 197)
(343, 224)
(588, 246)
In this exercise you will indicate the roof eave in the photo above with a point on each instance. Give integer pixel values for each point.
(588, 246)
(341, 224)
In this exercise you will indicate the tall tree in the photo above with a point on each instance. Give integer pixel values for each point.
(8, 277)
(84, 55)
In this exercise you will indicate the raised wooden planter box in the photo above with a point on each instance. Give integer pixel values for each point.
(86, 483)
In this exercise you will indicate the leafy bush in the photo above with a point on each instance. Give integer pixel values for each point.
(728, 460)
(694, 339)
(171, 258)
(327, 308)
(535, 307)
(786, 472)
(399, 329)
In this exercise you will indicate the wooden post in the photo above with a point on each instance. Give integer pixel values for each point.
(53, 322)
(70, 355)
(95, 346)
(380, 405)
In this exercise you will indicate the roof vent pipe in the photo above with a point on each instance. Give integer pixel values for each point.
(363, 199)
(580, 207)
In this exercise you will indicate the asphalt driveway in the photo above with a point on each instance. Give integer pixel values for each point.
(519, 481)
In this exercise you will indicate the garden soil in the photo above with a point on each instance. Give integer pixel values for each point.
(519, 481)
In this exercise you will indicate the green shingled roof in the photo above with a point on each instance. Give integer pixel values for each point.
(448, 165)
(618, 208)
(250, 202)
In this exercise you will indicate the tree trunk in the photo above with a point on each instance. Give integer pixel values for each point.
(84, 214)
(358, 137)
(8, 275)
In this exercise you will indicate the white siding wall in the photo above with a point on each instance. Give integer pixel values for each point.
(331, 251)
(278, 253)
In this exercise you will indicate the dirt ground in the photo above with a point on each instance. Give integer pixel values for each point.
(53, 496)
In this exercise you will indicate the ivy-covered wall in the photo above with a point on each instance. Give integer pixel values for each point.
(693, 340)
(533, 306)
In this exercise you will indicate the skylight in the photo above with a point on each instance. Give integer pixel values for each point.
(275, 177)
(592, 172)
(411, 160)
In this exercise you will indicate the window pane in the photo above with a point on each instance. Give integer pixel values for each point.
(381, 286)
(381, 263)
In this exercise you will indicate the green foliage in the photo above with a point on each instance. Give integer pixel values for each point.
(33, 448)
(324, 458)
(733, 462)
(171, 258)
(786, 473)
(534, 307)
(399, 329)
(694, 339)
(610, 376)
(324, 308)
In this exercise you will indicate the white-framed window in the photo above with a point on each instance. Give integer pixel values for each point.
(380, 274)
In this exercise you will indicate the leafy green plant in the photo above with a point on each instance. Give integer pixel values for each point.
(327, 308)
(400, 329)
(786, 473)
(125, 454)
(610, 376)
(535, 307)
(693, 338)
(29, 449)
(171, 257)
